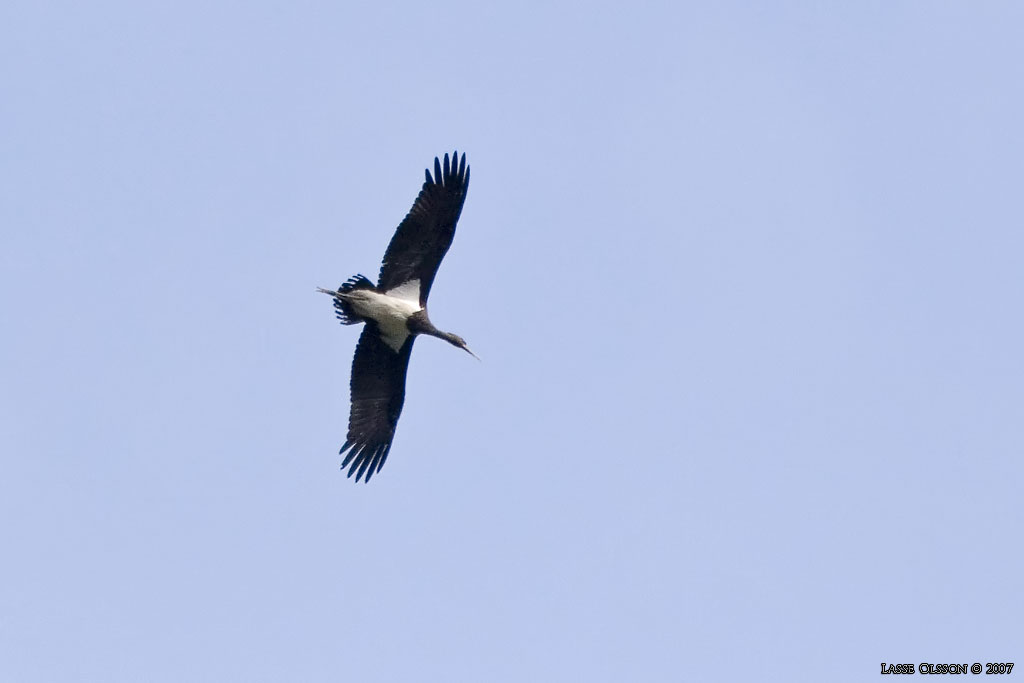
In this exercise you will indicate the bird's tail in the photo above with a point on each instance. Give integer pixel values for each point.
(342, 308)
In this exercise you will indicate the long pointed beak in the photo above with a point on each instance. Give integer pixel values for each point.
(466, 349)
(326, 291)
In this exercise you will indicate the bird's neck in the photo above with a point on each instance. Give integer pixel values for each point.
(419, 323)
(447, 336)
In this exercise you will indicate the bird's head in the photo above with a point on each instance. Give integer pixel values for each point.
(456, 340)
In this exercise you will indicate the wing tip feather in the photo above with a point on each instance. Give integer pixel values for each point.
(364, 460)
(452, 171)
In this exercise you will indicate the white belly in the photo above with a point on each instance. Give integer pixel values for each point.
(389, 312)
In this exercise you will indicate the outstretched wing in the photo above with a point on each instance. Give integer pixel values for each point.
(423, 238)
(378, 392)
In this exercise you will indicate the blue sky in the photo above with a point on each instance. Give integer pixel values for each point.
(746, 279)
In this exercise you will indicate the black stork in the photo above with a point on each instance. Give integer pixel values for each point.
(395, 311)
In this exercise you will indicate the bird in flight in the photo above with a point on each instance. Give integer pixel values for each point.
(395, 312)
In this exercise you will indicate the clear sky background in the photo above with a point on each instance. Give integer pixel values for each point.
(747, 283)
